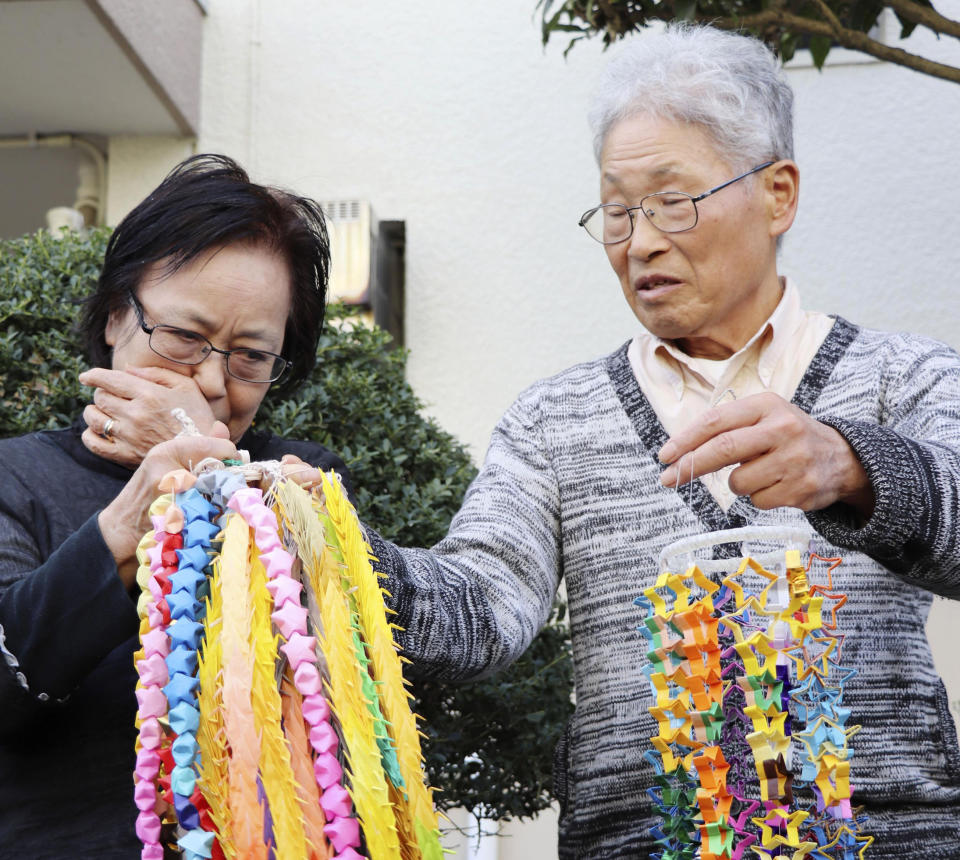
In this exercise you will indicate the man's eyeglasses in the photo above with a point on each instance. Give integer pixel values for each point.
(668, 211)
(183, 346)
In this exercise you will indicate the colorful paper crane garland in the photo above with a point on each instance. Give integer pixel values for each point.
(273, 717)
(730, 672)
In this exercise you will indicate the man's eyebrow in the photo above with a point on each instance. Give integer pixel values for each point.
(667, 170)
(664, 171)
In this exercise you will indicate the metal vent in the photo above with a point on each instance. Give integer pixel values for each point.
(343, 210)
(351, 227)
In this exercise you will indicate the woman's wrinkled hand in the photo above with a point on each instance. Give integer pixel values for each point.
(127, 518)
(132, 411)
(301, 473)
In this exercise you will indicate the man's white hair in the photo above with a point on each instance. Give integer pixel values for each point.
(728, 84)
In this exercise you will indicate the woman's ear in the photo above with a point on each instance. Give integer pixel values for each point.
(117, 323)
(783, 193)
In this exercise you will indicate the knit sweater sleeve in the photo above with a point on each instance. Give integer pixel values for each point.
(912, 458)
(472, 603)
(58, 617)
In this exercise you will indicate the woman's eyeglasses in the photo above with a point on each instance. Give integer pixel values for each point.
(183, 346)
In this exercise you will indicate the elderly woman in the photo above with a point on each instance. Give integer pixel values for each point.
(212, 289)
(853, 432)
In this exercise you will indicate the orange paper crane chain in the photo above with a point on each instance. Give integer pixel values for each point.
(780, 636)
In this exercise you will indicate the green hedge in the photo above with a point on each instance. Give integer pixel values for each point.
(490, 743)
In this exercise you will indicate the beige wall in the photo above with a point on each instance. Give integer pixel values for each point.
(514, 840)
(33, 181)
(164, 42)
(136, 165)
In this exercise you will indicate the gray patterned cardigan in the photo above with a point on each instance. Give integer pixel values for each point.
(570, 488)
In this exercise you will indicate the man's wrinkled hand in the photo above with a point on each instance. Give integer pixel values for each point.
(783, 457)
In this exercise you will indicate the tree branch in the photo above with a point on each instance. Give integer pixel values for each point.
(618, 19)
(925, 17)
(845, 38)
(828, 14)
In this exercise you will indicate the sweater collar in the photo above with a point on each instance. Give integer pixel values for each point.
(653, 436)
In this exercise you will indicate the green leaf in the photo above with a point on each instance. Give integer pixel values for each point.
(572, 42)
(787, 46)
(685, 10)
(906, 27)
(819, 48)
(864, 14)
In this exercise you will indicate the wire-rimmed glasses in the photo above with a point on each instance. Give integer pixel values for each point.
(668, 211)
(182, 346)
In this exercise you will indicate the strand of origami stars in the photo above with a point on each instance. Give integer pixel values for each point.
(703, 662)
(172, 575)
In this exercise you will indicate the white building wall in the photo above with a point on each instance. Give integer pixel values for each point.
(452, 118)
(136, 164)
(456, 121)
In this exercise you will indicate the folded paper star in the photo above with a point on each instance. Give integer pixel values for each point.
(316, 711)
(156, 642)
(151, 702)
(199, 533)
(327, 770)
(183, 780)
(181, 688)
(323, 738)
(307, 679)
(300, 649)
(245, 500)
(187, 578)
(183, 605)
(153, 670)
(173, 520)
(343, 830)
(289, 619)
(277, 562)
(283, 588)
(194, 505)
(186, 633)
(811, 655)
(193, 556)
(184, 717)
(182, 660)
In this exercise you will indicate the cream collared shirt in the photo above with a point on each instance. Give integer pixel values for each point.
(681, 388)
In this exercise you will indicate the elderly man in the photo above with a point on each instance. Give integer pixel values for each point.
(781, 416)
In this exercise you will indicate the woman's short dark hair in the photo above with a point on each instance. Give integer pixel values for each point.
(205, 202)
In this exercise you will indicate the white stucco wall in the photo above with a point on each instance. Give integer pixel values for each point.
(456, 121)
(875, 239)
(452, 118)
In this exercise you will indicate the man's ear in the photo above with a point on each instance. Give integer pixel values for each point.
(783, 192)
